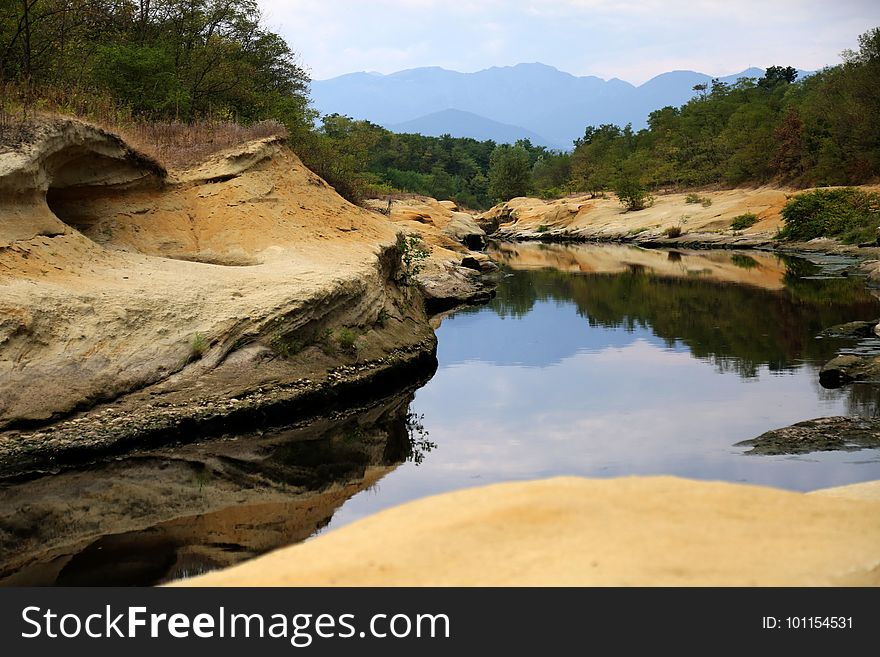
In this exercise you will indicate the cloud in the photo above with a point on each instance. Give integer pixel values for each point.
(609, 38)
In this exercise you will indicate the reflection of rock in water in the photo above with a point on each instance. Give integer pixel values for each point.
(169, 513)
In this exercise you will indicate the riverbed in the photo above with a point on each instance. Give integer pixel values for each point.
(596, 361)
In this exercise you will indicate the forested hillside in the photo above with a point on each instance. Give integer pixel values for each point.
(818, 131)
(184, 63)
(159, 59)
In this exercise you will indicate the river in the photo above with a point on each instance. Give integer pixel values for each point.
(594, 361)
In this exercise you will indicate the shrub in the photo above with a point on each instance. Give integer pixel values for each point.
(743, 221)
(347, 340)
(846, 213)
(287, 348)
(673, 231)
(198, 345)
(633, 195)
(412, 254)
(542, 228)
(705, 201)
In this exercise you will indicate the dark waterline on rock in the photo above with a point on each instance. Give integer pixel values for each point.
(592, 361)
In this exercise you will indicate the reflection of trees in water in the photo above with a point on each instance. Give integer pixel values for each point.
(863, 399)
(417, 438)
(738, 328)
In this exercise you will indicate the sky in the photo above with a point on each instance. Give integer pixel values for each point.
(633, 40)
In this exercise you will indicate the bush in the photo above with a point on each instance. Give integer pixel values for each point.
(673, 231)
(847, 213)
(705, 201)
(198, 345)
(412, 254)
(347, 340)
(744, 221)
(542, 228)
(287, 347)
(633, 195)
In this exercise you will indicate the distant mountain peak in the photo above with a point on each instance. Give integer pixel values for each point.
(526, 98)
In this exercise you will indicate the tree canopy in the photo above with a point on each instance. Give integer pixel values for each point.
(187, 60)
(161, 58)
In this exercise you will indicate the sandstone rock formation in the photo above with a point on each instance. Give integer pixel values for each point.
(244, 278)
(453, 236)
(633, 531)
(588, 218)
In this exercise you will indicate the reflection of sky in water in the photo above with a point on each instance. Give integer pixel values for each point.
(548, 394)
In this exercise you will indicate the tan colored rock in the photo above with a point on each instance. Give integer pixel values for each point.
(633, 531)
(451, 236)
(209, 282)
(584, 217)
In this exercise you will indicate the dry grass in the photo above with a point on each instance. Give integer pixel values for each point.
(179, 145)
(175, 144)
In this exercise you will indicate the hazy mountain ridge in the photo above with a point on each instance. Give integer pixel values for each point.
(533, 98)
(467, 124)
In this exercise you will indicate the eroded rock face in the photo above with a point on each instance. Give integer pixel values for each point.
(243, 276)
(440, 222)
(596, 218)
(451, 275)
(63, 158)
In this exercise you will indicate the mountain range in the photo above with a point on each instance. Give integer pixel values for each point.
(534, 101)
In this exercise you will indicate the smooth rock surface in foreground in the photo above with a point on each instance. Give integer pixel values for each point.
(608, 532)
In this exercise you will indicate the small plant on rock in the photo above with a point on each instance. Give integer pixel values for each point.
(198, 345)
(412, 253)
(674, 231)
(705, 201)
(347, 340)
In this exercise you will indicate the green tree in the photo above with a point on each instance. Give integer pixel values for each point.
(509, 172)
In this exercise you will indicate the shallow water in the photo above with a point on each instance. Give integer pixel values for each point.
(595, 361)
(603, 361)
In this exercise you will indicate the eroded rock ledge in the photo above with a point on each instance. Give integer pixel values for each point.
(235, 281)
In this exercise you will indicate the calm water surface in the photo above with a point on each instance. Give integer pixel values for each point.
(602, 361)
(595, 361)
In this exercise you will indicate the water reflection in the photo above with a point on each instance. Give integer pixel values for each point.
(169, 513)
(592, 361)
(606, 361)
(741, 311)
